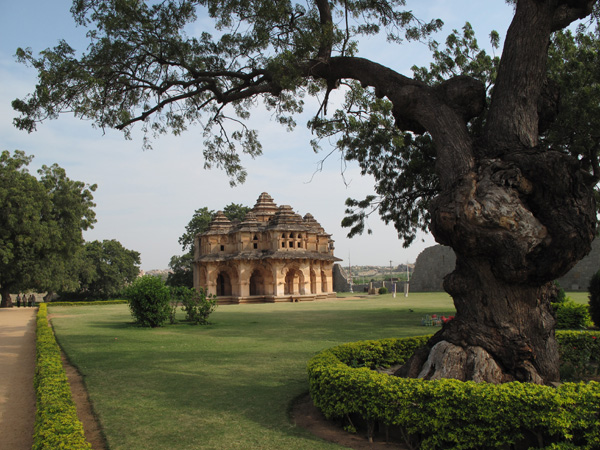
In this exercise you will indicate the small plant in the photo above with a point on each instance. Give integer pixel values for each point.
(198, 305)
(383, 290)
(149, 301)
(594, 290)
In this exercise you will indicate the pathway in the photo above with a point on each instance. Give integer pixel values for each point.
(17, 365)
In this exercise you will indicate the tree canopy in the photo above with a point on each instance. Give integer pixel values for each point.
(41, 225)
(475, 147)
(103, 269)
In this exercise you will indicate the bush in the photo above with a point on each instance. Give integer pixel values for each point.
(579, 354)
(450, 414)
(198, 306)
(56, 423)
(383, 290)
(149, 301)
(571, 316)
(594, 290)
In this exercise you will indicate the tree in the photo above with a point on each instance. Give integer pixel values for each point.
(181, 270)
(41, 224)
(104, 269)
(517, 213)
(181, 266)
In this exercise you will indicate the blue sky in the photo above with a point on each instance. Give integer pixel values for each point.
(146, 197)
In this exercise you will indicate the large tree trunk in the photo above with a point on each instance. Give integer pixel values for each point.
(6, 301)
(515, 225)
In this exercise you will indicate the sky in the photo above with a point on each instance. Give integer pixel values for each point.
(145, 198)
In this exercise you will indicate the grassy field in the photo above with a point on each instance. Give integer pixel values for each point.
(228, 385)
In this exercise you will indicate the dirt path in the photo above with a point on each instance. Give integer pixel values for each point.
(17, 365)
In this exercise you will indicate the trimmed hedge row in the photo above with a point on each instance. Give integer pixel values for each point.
(450, 414)
(56, 422)
(89, 303)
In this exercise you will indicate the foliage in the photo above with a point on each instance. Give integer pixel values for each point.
(89, 303)
(579, 354)
(571, 316)
(181, 273)
(149, 301)
(40, 226)
(573, 61)
(449, 414)
(383, 290)
(197, 304)
(594, 298)
(56, 423)
(202, 218)
(370, 136)
(104, 269)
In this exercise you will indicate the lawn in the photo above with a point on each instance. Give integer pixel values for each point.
(228, 385)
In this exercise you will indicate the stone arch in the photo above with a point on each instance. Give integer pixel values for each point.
(224, 288)
(294, 282)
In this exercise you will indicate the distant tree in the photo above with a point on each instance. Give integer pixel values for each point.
(594, 298)
(41, 225)
(104, 269)
(201, 219)
(197, 224)
(181, 266)
(181, 271)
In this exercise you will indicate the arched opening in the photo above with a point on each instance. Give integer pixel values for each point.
(223, 284)
(257, 283)
(294, 282)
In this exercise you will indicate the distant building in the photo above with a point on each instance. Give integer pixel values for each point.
(273, 255)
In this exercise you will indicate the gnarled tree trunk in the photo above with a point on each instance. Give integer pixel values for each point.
(515, 225)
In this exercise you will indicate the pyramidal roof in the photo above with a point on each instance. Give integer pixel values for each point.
(264, 208)
(220, 222)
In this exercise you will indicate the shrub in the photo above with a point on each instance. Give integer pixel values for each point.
(450, 414)
(579, 354)
(383, 290)
(198, 306)
(149, 301)
(56, 423)
(594, 290)
(571, 316)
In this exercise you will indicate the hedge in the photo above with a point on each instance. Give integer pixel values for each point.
(89, 303)
(450, 414)
(56, 422)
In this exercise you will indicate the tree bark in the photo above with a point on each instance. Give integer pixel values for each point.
(6, 301)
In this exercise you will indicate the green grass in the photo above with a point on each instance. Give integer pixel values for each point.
(228, 385)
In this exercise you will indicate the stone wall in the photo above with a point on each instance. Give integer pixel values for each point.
(578, 278)
(434, 263)
(340, 279)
